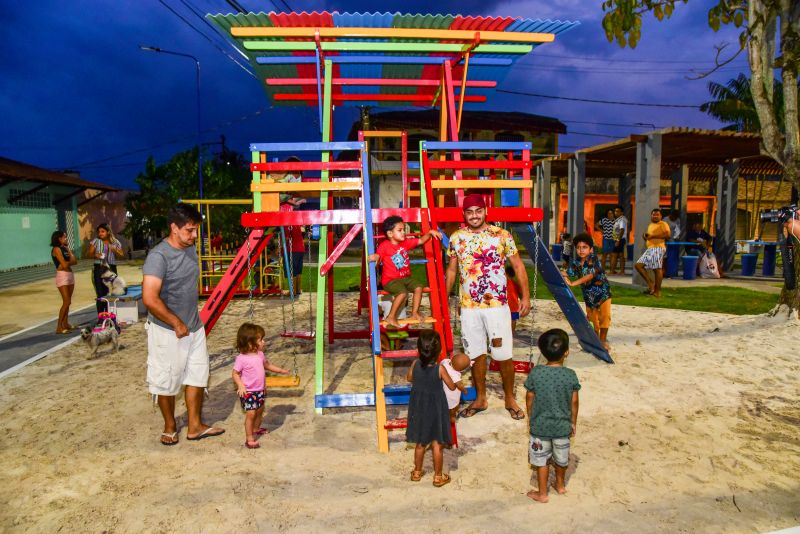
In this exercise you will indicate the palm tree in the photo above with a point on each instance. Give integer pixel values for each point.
(733, 103)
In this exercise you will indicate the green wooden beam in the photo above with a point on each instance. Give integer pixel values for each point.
(255, 158)
(319, 338)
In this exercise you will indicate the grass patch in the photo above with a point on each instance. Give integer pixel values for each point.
(717, 299)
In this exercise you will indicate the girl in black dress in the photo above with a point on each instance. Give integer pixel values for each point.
(428, 417)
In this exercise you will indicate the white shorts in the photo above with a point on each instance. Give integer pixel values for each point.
(653, 258)
(173, 362)
(480, 326)
(541, 449)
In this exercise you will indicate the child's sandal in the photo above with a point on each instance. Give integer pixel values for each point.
(416, 476)
(441, 480)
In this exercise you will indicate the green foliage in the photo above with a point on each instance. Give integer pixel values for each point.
(733, 103)
(162, 186)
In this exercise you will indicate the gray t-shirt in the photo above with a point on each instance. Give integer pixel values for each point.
(179, 273)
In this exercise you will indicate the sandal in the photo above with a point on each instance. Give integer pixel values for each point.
(416, 476)
(261, 431)
(172, 436)
(252, 445)
(441, 480)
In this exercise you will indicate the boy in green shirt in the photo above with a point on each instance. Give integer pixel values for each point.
(552, 402)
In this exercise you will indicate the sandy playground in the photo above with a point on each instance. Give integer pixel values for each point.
(695, 429)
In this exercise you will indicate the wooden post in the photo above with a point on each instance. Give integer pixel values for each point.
(727, 199)
(576, 193)
(543, 199)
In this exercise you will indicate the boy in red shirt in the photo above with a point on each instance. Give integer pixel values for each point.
(396, 278)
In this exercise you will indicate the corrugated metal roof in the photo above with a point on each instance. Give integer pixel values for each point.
(379, 70)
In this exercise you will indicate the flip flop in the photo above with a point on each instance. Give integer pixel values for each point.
(441, 480)
(469, 412)
(252, 445)
(516, 414)
(172, 436)
(261, 432)
(207, 434)
(416, 476)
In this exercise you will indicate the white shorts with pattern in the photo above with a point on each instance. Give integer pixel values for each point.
(653, 258)
(541, 449)
(173, 362)
(485, 329)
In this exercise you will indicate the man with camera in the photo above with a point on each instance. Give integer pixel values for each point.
(787, 217)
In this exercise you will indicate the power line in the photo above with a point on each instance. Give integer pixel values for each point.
(613, 124)
(602, 70)
(611, 60)
(214, 31)
(593, 135)
(206, 37)
(594, 101)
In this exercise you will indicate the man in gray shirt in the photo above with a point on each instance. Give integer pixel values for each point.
(176, 340)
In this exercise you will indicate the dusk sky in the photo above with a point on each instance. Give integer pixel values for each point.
(78, 93)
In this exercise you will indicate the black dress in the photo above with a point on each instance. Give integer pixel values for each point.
(428, 417)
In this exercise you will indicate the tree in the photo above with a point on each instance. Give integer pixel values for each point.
(733, 103)
(162, 186)
(766, 26)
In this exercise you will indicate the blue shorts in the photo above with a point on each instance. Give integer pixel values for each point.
(253, 400)
(608, 245)
(515, 316)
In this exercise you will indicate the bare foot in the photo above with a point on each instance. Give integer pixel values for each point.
(657, 294)
(534, 494)
(560, 490)
(415, 317)
(391, 321)
(606, 346)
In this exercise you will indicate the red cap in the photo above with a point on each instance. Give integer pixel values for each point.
(473, 200)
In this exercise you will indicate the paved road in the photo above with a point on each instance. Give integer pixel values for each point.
(37, 341)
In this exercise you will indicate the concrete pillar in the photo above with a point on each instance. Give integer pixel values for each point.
(576, 183)
(725, 222)
(647, 188)
(625, 195)
(543, 200)
(680, 193)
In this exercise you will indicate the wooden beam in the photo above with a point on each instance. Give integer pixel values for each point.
(392, 33)
(20, 196)
(59, 200)
(482, 184)
(281, 187)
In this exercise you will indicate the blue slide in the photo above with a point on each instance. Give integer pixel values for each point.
(563, 294)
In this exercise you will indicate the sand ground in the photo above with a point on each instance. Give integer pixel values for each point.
(695, 429)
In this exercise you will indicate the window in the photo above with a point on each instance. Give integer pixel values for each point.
(38, 199)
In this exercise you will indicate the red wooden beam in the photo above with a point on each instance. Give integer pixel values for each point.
(411, 82)
(370, 97)
(478, 164)
(340, 247)
(339, 216)
(307, 166)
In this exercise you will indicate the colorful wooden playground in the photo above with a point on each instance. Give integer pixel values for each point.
(333, 59)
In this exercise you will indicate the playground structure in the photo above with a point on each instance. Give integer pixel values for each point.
(336, 58)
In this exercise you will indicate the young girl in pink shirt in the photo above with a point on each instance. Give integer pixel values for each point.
(248, 375)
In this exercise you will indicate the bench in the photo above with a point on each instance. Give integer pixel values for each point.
(126, 307)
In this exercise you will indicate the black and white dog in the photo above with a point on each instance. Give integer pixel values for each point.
(101, 335)
(115, 283)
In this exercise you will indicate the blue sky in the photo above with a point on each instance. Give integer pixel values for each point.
(78, 93)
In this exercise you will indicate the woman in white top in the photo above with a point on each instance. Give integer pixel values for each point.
(105, 249)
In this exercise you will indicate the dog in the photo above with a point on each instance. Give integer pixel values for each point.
(101, 335)
(116, 284)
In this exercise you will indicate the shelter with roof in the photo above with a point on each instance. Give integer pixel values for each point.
(34, 202)
(673, 161)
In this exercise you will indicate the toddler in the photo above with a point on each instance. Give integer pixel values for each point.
(396, 267)
(454, 366)
(248, 375)
(428, 421)
(552, 402)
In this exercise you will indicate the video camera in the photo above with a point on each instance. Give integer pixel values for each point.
(780, 215)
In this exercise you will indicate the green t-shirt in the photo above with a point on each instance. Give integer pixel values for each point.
(552, 407)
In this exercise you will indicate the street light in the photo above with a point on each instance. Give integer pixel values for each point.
(199, 141)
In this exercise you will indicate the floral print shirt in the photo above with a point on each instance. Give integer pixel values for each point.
(596, 290)
(481, 261)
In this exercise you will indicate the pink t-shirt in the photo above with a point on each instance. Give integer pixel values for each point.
(251, 369)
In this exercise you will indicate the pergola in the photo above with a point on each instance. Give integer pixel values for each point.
(641, 162)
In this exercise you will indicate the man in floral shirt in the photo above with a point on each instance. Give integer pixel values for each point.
(479, 253)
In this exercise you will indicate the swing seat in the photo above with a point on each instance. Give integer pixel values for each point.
(404, 322)
(519, 366)
(299, 334)
(284, 381)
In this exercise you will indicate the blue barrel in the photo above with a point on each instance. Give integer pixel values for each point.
(749, 264)
(315, 232)
(690, 267)
(630, 252)
(672, 261)
(768, 269)
(557, 248)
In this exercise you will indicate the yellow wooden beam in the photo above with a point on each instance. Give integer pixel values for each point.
(482, 184)
(393, 33)
(220, 201)
(290, 381)
(281, 187)
(382, 133)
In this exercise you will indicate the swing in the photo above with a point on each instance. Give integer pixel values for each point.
(287, 381)
(285, 260)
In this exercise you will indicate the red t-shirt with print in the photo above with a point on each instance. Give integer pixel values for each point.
(394, 259)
